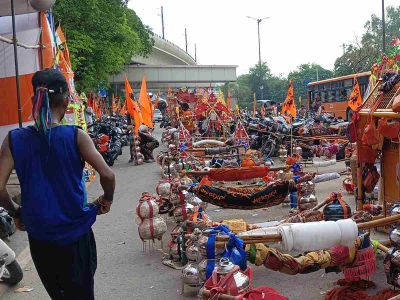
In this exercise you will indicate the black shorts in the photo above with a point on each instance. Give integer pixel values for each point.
(66, 271)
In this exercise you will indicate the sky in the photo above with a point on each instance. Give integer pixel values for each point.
(297, 31)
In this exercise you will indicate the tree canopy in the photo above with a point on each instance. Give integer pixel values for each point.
(357, 57)
(362, 53)
(102, 36)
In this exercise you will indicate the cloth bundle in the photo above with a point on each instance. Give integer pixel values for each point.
(326, 177)
(318, 235)
(329, 150)
(305, 216)
(273, 259)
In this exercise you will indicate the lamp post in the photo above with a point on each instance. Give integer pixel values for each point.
(258, 31)
(383, 27)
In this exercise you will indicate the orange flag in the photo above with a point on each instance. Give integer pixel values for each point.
(123, 109)
(355, 99)
(145, 105)
(262, 110)
(228, 101)
(289, 105)
(133, 107)
(114, 105)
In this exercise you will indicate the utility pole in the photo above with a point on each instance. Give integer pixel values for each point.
(344, 48)
(16, 63)
(258, 32)
(383, 27)
(259, 43)
(186, 40)
(162, 22)
(195, 52)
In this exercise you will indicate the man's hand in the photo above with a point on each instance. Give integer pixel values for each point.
(18, 223)
(103, 205)
(94, 158)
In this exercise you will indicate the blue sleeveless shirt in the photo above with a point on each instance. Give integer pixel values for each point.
(53, 193)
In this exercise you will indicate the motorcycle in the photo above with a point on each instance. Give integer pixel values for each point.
(10, 270)
(107, 140)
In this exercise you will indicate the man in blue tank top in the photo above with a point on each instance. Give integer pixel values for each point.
(49, 159)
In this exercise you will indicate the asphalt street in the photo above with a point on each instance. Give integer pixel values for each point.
(126, 272)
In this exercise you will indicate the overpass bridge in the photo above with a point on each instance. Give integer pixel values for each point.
(169, 66)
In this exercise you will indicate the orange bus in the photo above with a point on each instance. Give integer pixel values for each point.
(333, 93)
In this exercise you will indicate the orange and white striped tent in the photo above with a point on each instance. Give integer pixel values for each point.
(28, 31)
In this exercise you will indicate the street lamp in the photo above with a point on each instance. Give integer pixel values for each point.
(383, 27)
(258, 30)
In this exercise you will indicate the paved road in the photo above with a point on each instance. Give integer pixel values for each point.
(126, 272)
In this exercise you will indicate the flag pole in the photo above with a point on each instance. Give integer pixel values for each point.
(291, 135)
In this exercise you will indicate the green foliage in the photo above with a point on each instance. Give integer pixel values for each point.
(102, 36)
(362, 54)
(304, 74)
(259, 75)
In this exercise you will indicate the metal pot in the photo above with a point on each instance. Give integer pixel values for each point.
(308, 201)
(395, 258)
(307, 187)
(394, 236)
(242, 281)
(281, 175)
(190, 275)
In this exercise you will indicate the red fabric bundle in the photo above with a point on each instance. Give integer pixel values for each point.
(237, 174)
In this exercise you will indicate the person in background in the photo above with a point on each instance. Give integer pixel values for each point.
(302, 111)
(88, 114)
(131, 130)
(54, 209)
(147, 143)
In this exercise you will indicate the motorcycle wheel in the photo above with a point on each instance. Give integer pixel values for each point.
(268, 149)
(12, 273)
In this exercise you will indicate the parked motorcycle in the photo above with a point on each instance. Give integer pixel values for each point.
(108, 140)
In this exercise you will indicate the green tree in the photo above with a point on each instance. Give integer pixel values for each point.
(276, 88)
(362, 54)
(244, 90)
(258, 79)
(304, 74)
(102, 36)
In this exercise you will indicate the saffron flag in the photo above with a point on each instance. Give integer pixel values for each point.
(254, 105)
(289, 106)
(146, 107)
(355, 99)
(123, 109)
(133, 107)
(228, 101)
(262, 110)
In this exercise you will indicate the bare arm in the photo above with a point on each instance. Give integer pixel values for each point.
(93, 157)
(6, 166)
